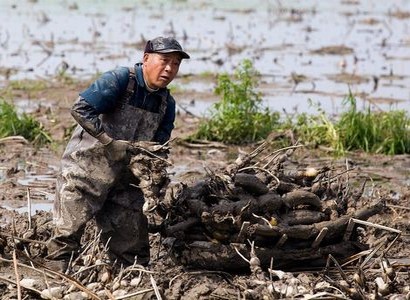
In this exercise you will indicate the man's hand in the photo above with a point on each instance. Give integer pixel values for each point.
(115, 150)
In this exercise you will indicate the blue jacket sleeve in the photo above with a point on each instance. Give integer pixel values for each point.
(103, 93)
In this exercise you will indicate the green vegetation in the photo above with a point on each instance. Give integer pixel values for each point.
(374, 132)
(175, 88)
(315, 130)
(13, 124)
(377, 132)
(65, 78)
(239, 117)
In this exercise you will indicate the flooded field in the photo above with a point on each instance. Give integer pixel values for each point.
(304, 50)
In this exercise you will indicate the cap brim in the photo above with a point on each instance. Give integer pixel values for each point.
(183, 54)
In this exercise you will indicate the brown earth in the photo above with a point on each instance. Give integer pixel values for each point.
(27, 172)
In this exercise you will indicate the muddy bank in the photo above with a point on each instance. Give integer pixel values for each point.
(94, 276)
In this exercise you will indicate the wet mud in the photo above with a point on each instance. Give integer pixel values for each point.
(191, 273)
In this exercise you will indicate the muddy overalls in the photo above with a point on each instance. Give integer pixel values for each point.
(90, 185)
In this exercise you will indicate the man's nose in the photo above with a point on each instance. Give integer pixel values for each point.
(168, 68)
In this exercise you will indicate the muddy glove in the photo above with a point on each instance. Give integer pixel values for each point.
(115, 150)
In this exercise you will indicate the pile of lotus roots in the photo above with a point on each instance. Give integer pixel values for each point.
(287, 217)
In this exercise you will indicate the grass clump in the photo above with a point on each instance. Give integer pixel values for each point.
(238, 117)
(27, 86)
(375, 132)
(12, 124)
(315, 130)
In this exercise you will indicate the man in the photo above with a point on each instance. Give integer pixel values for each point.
(122, 106)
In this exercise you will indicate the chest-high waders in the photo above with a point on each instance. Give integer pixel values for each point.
(90, 185)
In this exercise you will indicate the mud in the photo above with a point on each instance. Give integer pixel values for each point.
(94, 276)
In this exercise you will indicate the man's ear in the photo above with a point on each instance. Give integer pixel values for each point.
(145, 57)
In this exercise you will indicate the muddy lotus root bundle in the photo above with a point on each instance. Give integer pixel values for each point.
(148, 163)
(291, 216)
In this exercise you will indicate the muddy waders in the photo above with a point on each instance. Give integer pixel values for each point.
(90, 185)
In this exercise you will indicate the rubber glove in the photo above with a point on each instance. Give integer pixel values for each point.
(115, 150)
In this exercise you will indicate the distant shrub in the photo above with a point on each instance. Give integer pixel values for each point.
(238, 117)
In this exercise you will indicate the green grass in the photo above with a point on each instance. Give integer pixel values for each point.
(207, 75)
(375, 132)
(27, 85)
(315, 130)
(386, 132)
(12, 124)
(175, 88)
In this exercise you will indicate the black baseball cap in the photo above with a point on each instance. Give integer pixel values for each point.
(164, 45)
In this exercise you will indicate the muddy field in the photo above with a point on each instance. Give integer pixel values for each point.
(299, 58)
(29, 173)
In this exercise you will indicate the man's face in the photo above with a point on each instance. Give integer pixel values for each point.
(160, 68)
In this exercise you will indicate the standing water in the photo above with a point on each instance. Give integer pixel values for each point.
(304, 50)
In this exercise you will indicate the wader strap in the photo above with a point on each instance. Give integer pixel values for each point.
(130, 87)
(164, 104)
